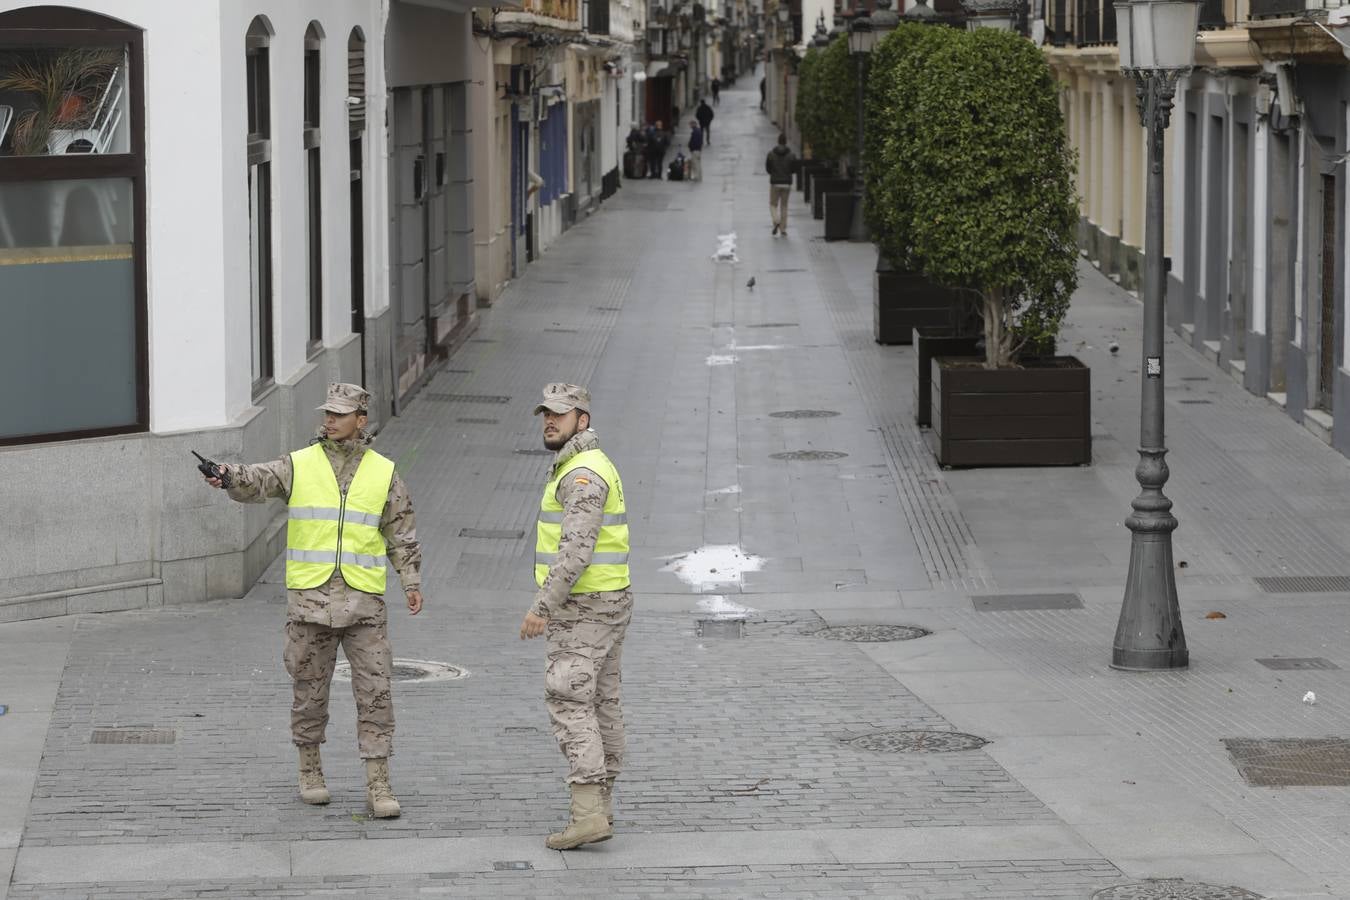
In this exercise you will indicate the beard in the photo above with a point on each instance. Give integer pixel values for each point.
(558, 441)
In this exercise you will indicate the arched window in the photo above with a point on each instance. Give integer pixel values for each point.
(258, 72)
(314, 182)
(72, 226)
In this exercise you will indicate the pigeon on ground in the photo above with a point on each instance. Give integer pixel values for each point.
(751, 283)
(1113, 347)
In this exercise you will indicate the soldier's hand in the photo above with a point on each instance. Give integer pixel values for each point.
(215, 482)
(532, 627)
(414, 602)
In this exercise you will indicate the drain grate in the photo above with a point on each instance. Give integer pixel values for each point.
(808, 455)
(784, 270)
(775, 325)
(469, 420)
(496, 534)
(803, 414)
(916, 742)
(1291, 762)
(133, 735)
(562, 330)
(610, 308)
(482, 340)
(1195, 378)
(466, 398)
(1173, 889)
(1014, 602)
(1298, 662)
(535, 451)
(410, 670)
(1303, 584)
(721, 628)
(873, 634)
(512, 865)
(1195, 401)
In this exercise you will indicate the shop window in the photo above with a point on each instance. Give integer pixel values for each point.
(72, 226)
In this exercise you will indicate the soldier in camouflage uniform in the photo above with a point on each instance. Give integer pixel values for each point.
(333, 613)
(585, 628)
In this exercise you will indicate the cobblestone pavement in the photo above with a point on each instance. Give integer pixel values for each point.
(740, 782)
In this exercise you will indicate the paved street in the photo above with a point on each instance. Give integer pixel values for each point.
(744, 777)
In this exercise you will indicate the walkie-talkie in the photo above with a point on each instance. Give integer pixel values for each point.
(211, 470)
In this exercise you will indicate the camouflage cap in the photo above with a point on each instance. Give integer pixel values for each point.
(346, 398)
(561, 398)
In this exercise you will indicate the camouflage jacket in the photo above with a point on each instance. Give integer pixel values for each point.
(582, 495)
(335, 604)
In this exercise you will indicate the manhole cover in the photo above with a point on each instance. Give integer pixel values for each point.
(1017, 602)
(496, 534)
(468, 420)
(917, 742)
(1304, 584)
(1298, 662)
(133, 736)
(1173, 889)
(808, 455)
(873, 633)
(465, 398)
(407, 670)
(727, 627)
(1292, 762)
(804, 414)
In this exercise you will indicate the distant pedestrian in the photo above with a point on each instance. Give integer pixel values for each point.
(705, 114)
(635, 160)
(716, 91)
(781, 165)
(351, 517)
(695, 151)
(658, 142)
(583, 605)
(761, 93)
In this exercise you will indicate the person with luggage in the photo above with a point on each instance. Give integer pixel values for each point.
(695, 152)
(658, 142)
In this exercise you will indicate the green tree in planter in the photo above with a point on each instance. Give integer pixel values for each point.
(886, 105)
(989, 184)
(825, 100)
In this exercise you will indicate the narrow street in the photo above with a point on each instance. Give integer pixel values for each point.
(750, 770)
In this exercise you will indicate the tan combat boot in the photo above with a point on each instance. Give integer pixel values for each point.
(607, 794)
(588, 824)
(312, 788)
(380, 799)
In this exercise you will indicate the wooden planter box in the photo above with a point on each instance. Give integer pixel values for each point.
(903, 301)
(820, 187)
(1038, 415)
(838, 215)
(810, 170)
(928, 343)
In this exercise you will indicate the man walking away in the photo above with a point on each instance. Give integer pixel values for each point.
(781, 165)
(350, 517)
(584, 604)
(761, 93)
(717, 91)
(695, 151)
(705, 114)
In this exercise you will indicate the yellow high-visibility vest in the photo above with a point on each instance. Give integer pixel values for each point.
(608, 570)
(328, 528)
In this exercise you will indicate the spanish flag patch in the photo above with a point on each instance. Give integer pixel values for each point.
(582, 479)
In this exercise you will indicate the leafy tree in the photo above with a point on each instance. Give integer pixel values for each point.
(988, 198)
(887, 108)
(826, 98)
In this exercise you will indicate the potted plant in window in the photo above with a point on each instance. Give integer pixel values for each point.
(904, 298)
(64, 88)
(991, 208)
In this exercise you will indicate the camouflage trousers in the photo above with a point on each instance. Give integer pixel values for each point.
(582, 690)
(311, 654)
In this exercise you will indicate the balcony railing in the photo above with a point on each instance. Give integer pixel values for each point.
(1266, 9)
(554, 9)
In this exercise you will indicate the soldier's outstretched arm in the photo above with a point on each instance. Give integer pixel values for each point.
(257, 482)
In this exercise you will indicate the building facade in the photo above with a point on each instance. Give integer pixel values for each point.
(209, 211)
(1255, 195)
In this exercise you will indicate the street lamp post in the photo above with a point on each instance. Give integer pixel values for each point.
(864, 33)
(1157, 47)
